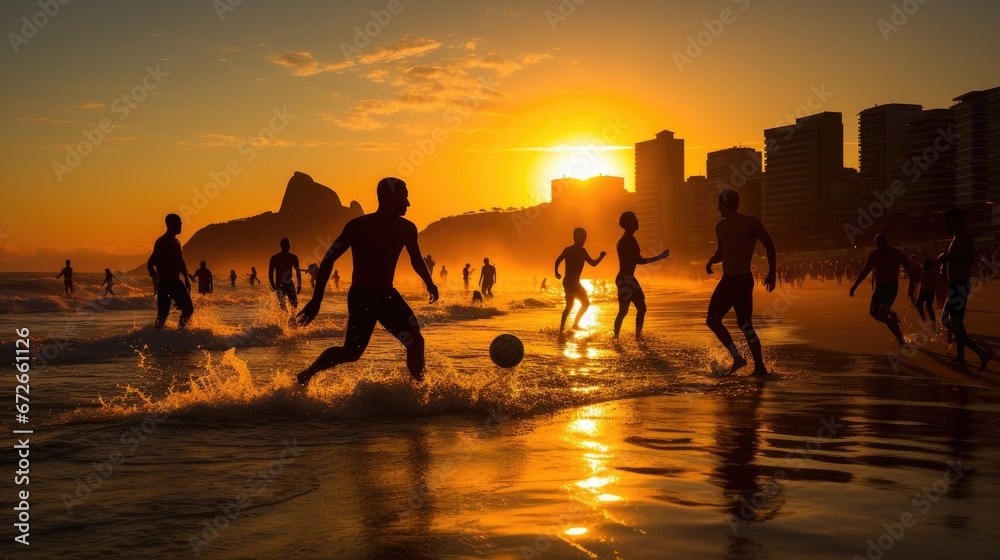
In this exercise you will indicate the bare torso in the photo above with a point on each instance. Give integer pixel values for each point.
(376, 243)
(737, 236)
(960, 255)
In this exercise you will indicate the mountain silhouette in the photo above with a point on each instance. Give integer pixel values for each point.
(311, 216)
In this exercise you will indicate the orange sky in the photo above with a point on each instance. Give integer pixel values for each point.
(486, 104)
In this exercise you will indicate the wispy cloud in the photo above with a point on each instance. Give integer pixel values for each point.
(559, 148)
(304, 64)
(92, 105)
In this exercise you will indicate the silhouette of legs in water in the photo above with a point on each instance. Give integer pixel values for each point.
(926, 301)
(364, 309)
(881, 308)
(167, 290)
(630, 292)
(736, 293)
(953, 318)
(572, 294)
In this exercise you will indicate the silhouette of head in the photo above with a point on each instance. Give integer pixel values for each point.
(953, 220)
(252, 269)
(881, 241)
(173, 222)
(392, 195)
(467, 264)
(285, 245)
(729, 202)
(628, 221)
(203, 265)
(486, 261)
(107, 271)
(579, 236)
(428, 256)
(67, 262)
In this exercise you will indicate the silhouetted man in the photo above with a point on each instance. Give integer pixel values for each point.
(375, 240)
(253, 276)
(885, 261)
(487, 277)
(958, 261)
(430, 265)
(629, 290)
(279, 274)
(575, 256)
(336, 279)
(166, 267)
(466, 274)
(444, 274)
(109, 279)
(232, 277)
(311, 270)
(737, 235)
(67, 275)
(204, 277)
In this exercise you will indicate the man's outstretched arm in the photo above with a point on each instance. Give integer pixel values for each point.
(559, 260)
(595, 262)
(864, 273)
(772, 255)
(339, 247)
(418, 264)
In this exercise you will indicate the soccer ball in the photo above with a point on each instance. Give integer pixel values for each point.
(506, 350)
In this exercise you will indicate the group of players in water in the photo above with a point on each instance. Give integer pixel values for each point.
(377, 240)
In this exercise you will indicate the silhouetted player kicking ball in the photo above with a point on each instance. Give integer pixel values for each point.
(958, 261)
(885, 261)
(166, 268)
(375, 240)
(575, 256)
(279, 274)
(629, 290)
(737, 235)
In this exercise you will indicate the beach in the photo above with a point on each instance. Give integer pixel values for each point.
(167, 444)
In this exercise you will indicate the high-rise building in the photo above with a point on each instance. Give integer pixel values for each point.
(882, 148)
(972, 151)
(741, 169)
(801, 161)
(699, 214)
(659, 180)
(930, 167)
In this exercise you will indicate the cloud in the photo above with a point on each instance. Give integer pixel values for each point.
(92, 105)
(407, 47)
(559, 148)
(303, 63)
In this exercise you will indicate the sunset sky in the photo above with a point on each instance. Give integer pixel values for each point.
(516, 92)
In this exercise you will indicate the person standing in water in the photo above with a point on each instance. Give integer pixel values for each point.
(279, 275)
(67, 275)
(929, 280)
(109, 279)
(958, 261)
(466, 274)
(444, 274)
(575, 256)
(376, 241)
(487, 277)
(885, 261)
(430, 264)
(737, 235)
(629, 290)
(204, 277)
(166, 267)
(232, 277)
(336, 279)
(253, 276)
